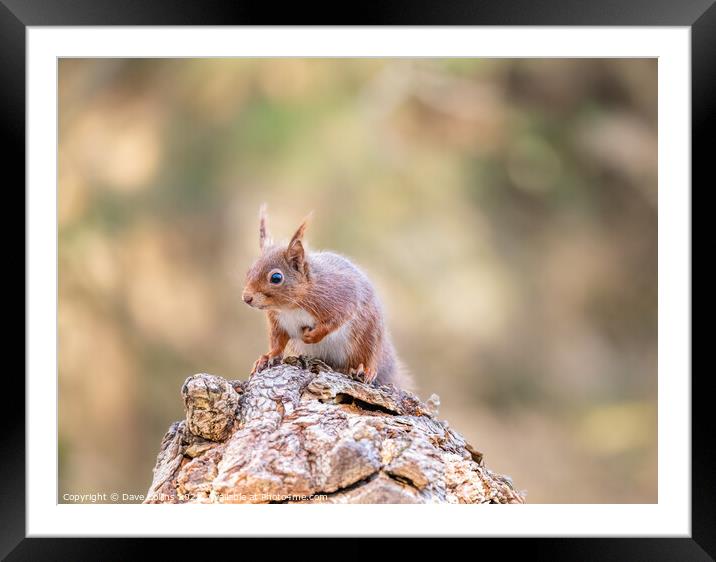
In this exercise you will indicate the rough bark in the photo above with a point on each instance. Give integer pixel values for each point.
(299, 432)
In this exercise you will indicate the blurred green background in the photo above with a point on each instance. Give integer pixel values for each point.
(505, 209)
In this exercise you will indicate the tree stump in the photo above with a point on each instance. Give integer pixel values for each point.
(299, 432)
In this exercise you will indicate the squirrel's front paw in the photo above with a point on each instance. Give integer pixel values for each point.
(264, 362)
(312, 335)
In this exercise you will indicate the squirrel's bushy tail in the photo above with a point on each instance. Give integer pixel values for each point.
(403, 378)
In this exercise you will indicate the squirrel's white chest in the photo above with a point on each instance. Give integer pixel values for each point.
(293, 321)
(333, 349)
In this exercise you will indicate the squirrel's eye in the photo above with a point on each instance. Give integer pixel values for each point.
(276, 278)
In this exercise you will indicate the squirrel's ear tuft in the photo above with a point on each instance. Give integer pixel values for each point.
(264, 236)
(295, 253)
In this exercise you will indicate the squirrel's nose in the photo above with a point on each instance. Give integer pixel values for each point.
(248, 299)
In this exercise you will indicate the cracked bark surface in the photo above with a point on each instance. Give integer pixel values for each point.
(299, 432)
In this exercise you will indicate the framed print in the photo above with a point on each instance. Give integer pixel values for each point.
(425, 261)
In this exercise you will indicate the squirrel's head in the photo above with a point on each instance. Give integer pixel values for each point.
(279, 276)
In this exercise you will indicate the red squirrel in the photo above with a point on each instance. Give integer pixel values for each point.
(321, 305)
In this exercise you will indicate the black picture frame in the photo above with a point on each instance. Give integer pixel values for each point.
(699, 15)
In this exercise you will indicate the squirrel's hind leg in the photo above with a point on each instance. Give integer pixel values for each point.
(362, 374)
